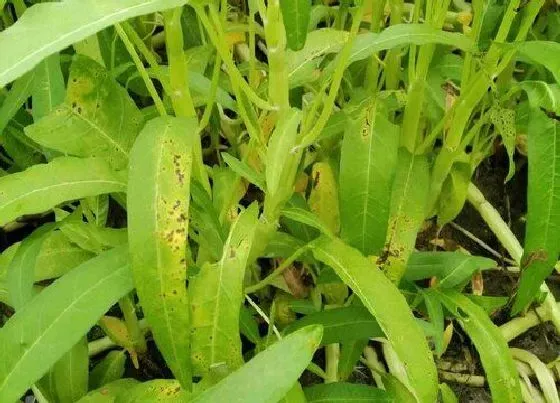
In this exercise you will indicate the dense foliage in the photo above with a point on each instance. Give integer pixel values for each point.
(232, 193)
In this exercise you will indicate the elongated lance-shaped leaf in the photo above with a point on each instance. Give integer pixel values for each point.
(158, 207)
(296, 15)
(47, 28)
(108, 393)
(408, 205)
(71, 372)
(109, 369)
(157, 390)
(323, 197)
(546, 53)
(367, 168)
(97, 118)
(20, 277)
(16, 97)
(48, 326)
(217, 295)
(44, 186)
(346, 392)
(390, 309)
(490, 344)
(542, 235)
(48, 87)
(277, 369)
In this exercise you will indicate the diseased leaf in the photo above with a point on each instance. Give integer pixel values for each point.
(217, 295)
(67, 309)
(44, 186)
(390, 309)
(323, 198)
(109, 369)
(158, 207)
(48, 87)
(503, 120)
(277, 369)
(490, 344)
(542, 234)
(47, 28)
(367, 169)
(157, 390)
(341, 325)
(408, 210)
(345, 392)
(97, 118)
(109, 392)
(296, 15)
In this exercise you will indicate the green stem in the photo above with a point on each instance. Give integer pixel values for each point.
(278, 91)
(219, 43)
(132, 324)
(277, 272)
(508, 240)
(141, 69)
(212, 97)
(328, 106)
(332, 357)
(178, 69)
(517, 326)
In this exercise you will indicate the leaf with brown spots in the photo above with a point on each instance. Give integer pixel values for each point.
(158, 205)
(97, 119)
(217, 294)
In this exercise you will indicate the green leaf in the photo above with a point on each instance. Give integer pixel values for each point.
(306, 217)
(341, 325)
(542, 234)
(350, 353)
(493, 350)
(71, 373)
(546, 53)
(408, 210)
(447, 394)
(277, 369)
(248, 326)
(369, 43)
(435, 313)
(390, 309)
(48, 87)
(44, 186)
(367, 168)
(454, 190)
(296, 15)
(109, 392)
(157, 390)
(302, 64)
(216, 298)
(109, 369)
(48, 28)
(243, 169)
(97, 118)
(16, 97)
(294, 395)
(345, 392)
(67, 310)
(158, 206)
(21, 270)
(451, 268)
(58, 256)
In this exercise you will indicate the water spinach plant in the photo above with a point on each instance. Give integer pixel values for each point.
(216, 201)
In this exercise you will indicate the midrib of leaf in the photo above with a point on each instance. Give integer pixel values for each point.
(55, 321)
(366, 198)
(87, 27)
(61, 184)
(158, 255)
(120, 148)
(452, 272)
